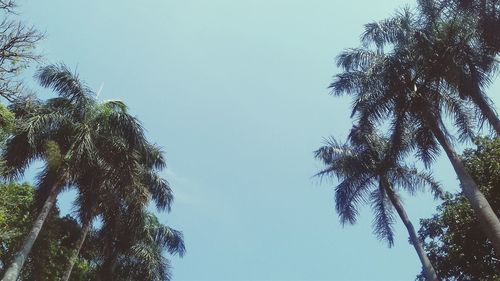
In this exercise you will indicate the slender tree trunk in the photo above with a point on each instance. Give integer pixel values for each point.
(87, 225)
(12, 273)
(487, 217)
(107, 270)
(429, 272)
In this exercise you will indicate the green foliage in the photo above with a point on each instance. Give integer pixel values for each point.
(7, 124)
(15, 202)
(7, 119)
(52, 248)
(458, 250)
(53, 155)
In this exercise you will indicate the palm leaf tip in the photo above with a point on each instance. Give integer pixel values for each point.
(63, 81)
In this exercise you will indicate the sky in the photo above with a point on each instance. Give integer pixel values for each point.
(236, 94)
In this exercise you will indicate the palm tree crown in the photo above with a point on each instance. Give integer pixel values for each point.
(366, 173)
(369, 174)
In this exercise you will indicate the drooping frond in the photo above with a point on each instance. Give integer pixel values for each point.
(349, 194)
(154, 157)
(18, 154)
(164, 236)
(171, 239)
(383, 219)
(161, 193)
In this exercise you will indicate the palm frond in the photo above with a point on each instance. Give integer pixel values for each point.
(413, 180)
(383, 220)
(357, 59)
(426, 144)
(160, 190)
(18, 154)
(462, 116)
(62, 80)
(349, 194)
(389, 31)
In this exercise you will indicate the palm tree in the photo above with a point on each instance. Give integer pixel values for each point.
(445, 51)
(456, 55)
(74, 128)
(393, 87)
(121, 237)
(367, 173)
(139, 178)
(144, 260)
(40, 124)
(113, 182)
(484, 15)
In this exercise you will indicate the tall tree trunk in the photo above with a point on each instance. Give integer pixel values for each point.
(87, 225)
(106, 273)
(487, 217)
(108, 270)
(429, 272)
(12, 273)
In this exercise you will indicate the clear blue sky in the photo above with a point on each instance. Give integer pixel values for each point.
(235, 92)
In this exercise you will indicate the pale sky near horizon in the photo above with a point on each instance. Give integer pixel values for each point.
(236, 94)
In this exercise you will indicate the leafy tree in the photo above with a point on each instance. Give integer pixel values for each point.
(17, 50)
(368, 173)
(15, 203)
(53, 246)
(456, 248)
(7, 121)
